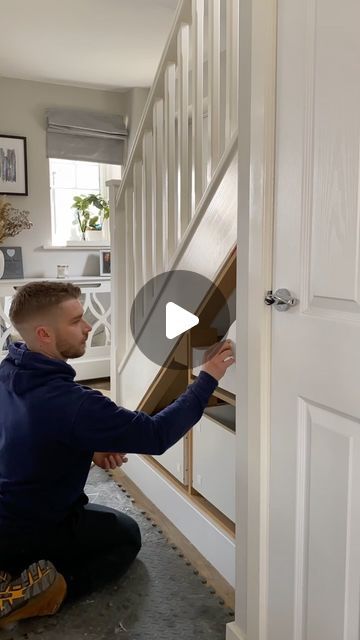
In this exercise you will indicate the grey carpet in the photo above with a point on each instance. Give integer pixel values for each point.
(160, 598)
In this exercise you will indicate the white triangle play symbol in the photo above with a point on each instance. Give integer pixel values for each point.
(178, 320)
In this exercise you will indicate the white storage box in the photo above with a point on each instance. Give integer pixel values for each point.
(228, 381)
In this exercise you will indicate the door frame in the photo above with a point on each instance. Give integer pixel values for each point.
(257, 120)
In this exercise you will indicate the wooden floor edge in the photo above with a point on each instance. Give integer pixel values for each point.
(223, 590)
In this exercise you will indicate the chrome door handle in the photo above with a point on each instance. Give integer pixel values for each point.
(281, 299)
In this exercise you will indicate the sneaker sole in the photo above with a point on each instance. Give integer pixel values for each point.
(36, 579)
(44, 604)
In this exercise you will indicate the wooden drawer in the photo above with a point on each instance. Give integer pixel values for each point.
(214, 463)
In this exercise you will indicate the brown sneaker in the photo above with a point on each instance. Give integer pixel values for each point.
(39, 591)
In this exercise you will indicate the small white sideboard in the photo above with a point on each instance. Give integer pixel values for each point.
(96, 300)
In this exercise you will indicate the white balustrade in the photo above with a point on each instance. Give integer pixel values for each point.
(147, 220)
(232, 64)
(183, 191)
(187, 128)
(158, 236)
(129, 253)
(198, 165)
(170, 164)
(214, 107)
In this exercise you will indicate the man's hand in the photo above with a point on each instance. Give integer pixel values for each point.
(109, 460)
(218, 358)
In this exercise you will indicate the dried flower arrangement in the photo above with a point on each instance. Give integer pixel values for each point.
(12, 220)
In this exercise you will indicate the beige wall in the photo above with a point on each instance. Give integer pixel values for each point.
(22, 113)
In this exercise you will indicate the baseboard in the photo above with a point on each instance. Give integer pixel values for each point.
(233, 632)
(211, 541)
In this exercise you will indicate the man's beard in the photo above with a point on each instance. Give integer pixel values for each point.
(68, 351)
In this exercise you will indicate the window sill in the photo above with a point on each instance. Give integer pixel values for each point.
(83, 246)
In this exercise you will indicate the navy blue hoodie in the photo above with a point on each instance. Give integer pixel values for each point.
(50, 426)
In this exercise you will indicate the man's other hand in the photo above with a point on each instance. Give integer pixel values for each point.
(218, 358)
(109, 460)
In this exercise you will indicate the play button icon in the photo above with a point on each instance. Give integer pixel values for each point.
(176, 306)
(178, 320)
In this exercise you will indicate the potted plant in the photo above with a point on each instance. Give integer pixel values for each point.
(91, 211)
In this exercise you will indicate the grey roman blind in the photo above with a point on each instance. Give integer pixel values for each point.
(73, 134)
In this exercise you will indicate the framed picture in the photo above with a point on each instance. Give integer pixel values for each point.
(13, 166)
(11, 264)
(105, 262)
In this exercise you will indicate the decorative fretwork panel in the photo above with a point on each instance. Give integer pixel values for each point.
(95, 298)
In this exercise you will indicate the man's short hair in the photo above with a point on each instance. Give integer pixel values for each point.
(35, 298)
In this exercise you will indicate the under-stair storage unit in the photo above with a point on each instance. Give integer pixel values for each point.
(204, 460)
(213, 440)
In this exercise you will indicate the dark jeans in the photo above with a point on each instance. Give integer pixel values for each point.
(94, 545)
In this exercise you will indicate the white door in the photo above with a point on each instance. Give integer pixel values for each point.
(314, 534)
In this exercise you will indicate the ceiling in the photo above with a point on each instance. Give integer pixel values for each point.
(107, 44)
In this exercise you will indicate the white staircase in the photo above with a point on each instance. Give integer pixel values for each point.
(176, 208)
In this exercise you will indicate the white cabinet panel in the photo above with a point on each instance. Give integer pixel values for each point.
(214, 464)
(173, 460)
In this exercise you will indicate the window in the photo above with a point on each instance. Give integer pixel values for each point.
(69, 178)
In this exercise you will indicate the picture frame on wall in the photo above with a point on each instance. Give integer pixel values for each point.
(13, 166)
(11, 263)
(105, 262)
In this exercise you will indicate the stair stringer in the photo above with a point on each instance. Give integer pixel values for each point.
(205, 248)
